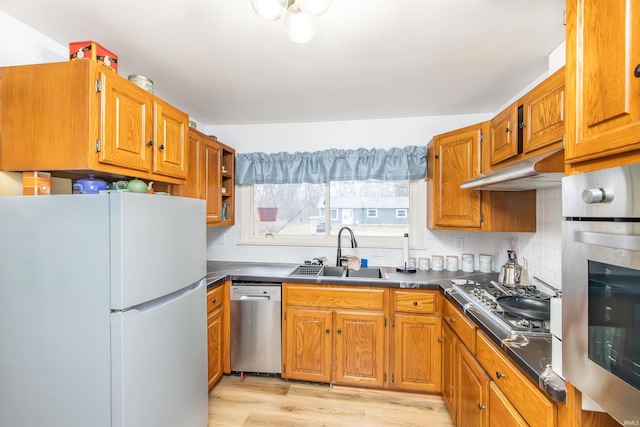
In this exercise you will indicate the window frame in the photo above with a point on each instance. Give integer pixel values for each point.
(417, 223)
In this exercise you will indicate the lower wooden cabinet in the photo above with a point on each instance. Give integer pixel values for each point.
(473, 391)
(502, 413)
(359, 348)
(215, 334)
(449, 370)
(416, 332)
(308, 338)
(335, 334)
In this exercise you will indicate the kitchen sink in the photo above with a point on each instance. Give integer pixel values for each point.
(332, 271)
(369, 273)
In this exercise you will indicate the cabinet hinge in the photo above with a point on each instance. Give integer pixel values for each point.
(564, 17)
(284, 368)
(385, 377)
(563, 136)
(285, 315)
(439, 339)
(393, 322)
(481, 217)
(393, 378)
(481, 137)
(98, 86)
(385, 322)
(97, 145)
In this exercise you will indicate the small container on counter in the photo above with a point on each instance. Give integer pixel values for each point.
(452, 263)
(486, 263)
(467, 263)
(424, 264)
(437, 263)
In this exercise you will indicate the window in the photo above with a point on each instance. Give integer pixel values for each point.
(312, 214)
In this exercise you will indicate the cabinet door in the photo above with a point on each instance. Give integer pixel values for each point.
(455, 160)
(211, 180)
(504, 135)
(214, 344)
(125, 125)
(170, 141)
(449, 369)
(359, 348)
(194, 184)
(308, 348)
(473, 386)
(543, 108)
(416, 353)
(501, 411)
(603, 56)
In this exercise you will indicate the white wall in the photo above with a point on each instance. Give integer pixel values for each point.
(20, 44)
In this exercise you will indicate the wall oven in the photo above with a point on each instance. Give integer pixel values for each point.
(601, 288)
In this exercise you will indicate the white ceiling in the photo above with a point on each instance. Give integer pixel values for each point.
(222, 64)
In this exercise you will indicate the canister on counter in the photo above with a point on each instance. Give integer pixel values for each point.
(467, 263)
(142, 81)
(437, 263)
(452, 263)
(485, 263)
(424, 264)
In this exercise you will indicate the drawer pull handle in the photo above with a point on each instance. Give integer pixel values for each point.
(327, 331)
(339, 331)
(149, 143)
(452, 320)
(213, 301)
(508, 130)
(481, 407)
(499, 375)
(161, 146)
(415, 303)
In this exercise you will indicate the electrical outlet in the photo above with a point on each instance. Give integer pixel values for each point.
(459, 244)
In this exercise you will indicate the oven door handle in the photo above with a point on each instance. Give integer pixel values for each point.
(616, 241)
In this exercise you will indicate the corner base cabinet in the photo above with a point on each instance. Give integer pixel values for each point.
(75, 118)
(215, 333)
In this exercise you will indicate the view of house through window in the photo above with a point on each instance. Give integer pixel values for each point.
(370, 208)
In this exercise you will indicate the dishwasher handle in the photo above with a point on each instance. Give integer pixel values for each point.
(255, 298)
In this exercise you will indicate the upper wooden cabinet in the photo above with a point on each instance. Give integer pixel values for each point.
(454, 158)
(210, 176)
(603, 83)
(504, 143)
(543, 114)
(533, 123)
(76, 117)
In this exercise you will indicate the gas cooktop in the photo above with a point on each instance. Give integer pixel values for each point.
(484, 295)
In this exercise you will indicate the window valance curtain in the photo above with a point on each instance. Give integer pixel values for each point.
(332, 165)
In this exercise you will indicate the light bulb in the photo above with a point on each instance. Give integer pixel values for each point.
(314, 7)
(269, 10)
(299, 26)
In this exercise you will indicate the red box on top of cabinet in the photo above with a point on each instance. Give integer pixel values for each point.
(92, 50)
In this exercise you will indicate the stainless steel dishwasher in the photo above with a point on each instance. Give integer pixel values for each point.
(256, 324)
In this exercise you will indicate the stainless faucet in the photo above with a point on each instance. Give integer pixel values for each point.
(354, 244)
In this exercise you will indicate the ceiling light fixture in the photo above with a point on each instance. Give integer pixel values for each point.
(299, 15)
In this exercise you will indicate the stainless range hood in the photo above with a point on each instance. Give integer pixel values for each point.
(540, 171)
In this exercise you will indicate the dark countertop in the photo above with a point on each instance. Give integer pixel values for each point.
(533, 358)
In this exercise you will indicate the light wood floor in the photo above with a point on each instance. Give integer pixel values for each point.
(267, 401)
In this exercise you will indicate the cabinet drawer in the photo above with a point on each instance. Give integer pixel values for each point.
(462, 326)
(529, 400)
(338, 297)
(215, 297)
(415, 302)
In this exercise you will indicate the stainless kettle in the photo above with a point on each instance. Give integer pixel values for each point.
(511, 271)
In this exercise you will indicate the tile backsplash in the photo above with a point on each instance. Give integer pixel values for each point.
(540, 250)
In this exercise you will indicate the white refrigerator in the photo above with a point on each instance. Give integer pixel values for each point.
(103, 311)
